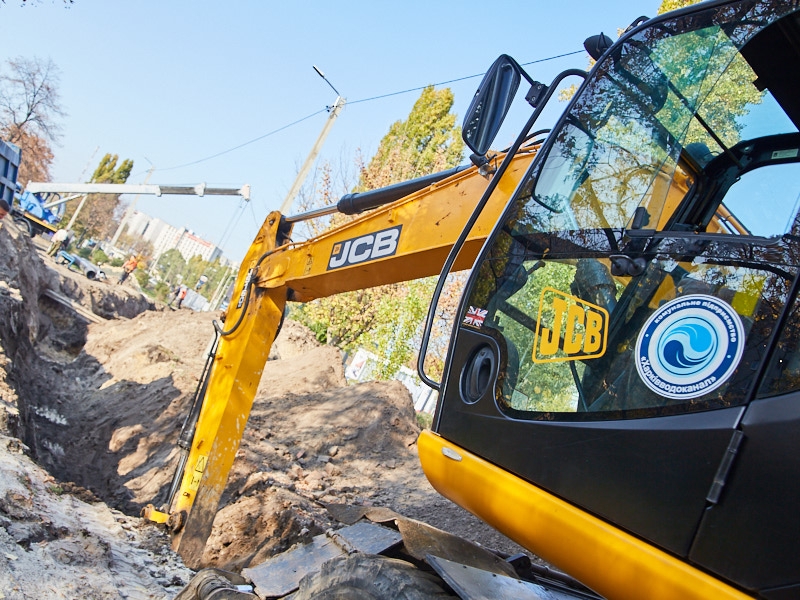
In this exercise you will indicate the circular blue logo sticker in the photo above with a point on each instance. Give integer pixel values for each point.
(689, 346)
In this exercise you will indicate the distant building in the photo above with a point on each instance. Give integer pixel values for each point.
(145, 226)
(190, 245)
(185, 242)
(165, 237)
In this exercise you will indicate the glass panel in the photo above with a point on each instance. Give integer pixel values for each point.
(783, 373)
(607, 307)
(681, 336)
(762, 202)
(659, 99)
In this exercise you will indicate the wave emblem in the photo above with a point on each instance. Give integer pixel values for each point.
(689, 346)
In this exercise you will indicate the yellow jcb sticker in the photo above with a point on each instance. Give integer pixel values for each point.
(568, 328)
(197, 474)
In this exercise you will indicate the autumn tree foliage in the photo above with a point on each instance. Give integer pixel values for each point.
(668, 5)
(97, 214)
(427, 142)
(30, 110)
(36, 157)
(386, 319)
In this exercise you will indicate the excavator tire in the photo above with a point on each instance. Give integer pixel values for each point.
(369, 577)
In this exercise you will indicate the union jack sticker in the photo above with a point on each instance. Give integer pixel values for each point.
(475, 316)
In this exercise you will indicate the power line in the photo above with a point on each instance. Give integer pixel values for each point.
(232, 223)
(459, 79)
(326, 109)
(261, 137)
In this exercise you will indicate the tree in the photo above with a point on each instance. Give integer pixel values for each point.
(30, 109)
(98, 216)
(386, 319)
(36, 158)
(668, 5)
(170, 266)
(427, 142)
(172, 269)
(135, 244)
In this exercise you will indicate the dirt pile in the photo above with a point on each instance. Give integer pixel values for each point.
(100, 406)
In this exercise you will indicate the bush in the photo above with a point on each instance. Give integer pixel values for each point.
(161, 291)
(99, 257)
(142, 277)
(424, 420)
(117, 262)
(85, 252)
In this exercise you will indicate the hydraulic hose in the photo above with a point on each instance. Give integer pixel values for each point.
(190, 423)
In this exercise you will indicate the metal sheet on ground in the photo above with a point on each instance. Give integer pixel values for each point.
(281, 575)
(475, 584)
(370, 538)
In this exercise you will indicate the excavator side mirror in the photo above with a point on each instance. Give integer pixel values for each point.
(490, 104)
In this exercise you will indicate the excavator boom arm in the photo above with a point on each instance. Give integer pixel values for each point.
(404, 240)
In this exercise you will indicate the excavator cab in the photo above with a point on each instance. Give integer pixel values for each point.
(627, 344)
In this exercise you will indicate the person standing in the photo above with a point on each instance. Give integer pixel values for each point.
(56, 242)
(67, 239)
(128, 268)
(182, 294)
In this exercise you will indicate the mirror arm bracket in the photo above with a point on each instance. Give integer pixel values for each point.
(478, 159)
(536, 93)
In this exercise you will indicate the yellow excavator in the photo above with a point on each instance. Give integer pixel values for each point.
(621, 394)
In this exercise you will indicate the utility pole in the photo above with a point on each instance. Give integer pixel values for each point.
(77, 210)
(312, 156)
(130, 209)
(83, 200)
(222, 289)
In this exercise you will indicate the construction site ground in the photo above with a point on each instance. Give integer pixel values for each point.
(90, 412)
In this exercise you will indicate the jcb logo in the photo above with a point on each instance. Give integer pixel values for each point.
(367, 247)
(568, 328)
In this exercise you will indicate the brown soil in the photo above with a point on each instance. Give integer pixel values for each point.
(90, 413)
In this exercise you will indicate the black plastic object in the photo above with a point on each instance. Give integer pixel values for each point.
(352, 204)
(478, 374)
(596, 45)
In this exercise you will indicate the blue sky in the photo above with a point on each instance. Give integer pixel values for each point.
(169, 84)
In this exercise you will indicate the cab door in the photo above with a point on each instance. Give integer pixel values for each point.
(621, 392)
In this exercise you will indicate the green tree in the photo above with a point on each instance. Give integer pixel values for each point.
(196, 267)
(170, 266)
(172, 269)
(386, 319)
(427, 142)
(97, 217)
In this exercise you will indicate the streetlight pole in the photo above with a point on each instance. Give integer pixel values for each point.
(312, 156)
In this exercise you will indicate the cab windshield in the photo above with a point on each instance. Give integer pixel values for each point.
(651, 250)
(657, 113)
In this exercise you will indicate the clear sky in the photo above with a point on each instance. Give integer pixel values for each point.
(196, 88)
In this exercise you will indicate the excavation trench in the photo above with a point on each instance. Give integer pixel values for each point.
(100, 405)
